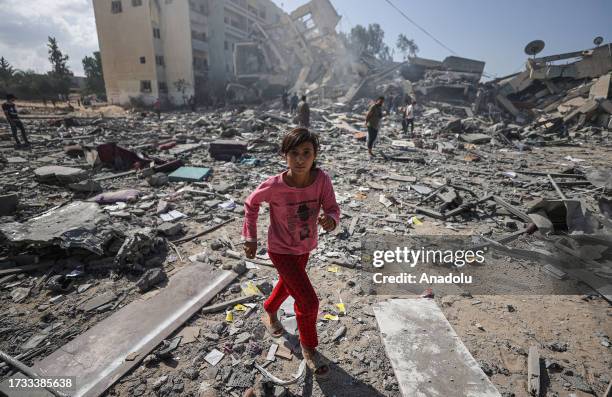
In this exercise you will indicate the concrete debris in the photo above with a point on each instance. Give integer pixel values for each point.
(54, 174)
(138, 248)
(150, 278)
(98, 222)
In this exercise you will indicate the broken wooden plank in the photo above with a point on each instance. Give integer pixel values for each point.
(426, 354)
(533, 371)
(97, 357)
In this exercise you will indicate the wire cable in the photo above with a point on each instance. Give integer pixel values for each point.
(422, 29)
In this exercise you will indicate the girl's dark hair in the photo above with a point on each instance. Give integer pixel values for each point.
(296, 137)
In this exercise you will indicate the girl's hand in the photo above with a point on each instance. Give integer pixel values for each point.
(250, 249)
(327, 222)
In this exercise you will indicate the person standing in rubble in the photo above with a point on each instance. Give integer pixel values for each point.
(285, 101)
(294, 103)
(296, 198)
(303, 111)
(373, 118)
(408, 118)
(10, 112)
(157, 108)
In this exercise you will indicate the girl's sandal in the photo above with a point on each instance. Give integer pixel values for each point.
(318, 366)
(275, 329)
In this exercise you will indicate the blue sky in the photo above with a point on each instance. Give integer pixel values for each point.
(494, 31)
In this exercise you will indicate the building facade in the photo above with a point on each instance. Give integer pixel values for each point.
(174, 49)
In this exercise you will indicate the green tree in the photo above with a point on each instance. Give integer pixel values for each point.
(368, 40)
(6, 72)
(94, 79)
(406, 46)
(60, 74)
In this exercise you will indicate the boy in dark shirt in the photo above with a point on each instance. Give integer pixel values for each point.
(10, 112)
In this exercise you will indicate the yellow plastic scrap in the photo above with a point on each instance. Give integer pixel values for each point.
(416, 221)
(249, 289)
(333, 269)
(229, 316)
(341, 308)
(331, 317)
(240, 308)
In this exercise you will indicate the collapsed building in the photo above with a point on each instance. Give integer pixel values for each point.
(554, 95)
(304, 53)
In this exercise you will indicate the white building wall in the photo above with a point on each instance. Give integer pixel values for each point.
(123, 38)
(178, 58)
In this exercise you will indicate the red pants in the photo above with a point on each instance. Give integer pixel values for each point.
(293, 280)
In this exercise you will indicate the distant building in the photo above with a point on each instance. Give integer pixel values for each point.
(147, 46)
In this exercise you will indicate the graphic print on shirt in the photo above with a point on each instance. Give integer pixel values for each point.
(301, 219)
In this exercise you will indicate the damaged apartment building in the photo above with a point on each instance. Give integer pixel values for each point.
(244, 51)
(173, 49)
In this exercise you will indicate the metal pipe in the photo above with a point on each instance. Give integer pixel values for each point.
(28, 371)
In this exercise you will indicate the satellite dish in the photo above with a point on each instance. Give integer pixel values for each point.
(534, 47)
(598, 40)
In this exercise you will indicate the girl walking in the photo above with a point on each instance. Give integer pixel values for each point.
(296, 197)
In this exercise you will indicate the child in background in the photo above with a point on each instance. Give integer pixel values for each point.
(296, 196)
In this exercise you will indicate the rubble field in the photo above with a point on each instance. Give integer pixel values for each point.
(104, 213)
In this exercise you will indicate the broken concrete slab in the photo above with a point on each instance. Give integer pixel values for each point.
(475, 138)
(432, 363)
(601, 88)
(97, 357)
(75, 225)
(59, 174)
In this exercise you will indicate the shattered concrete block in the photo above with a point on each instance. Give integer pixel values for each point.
(8, 204)
(158, 179)
(150, 278)
(137, 247)
(453, 126)
(170, 229)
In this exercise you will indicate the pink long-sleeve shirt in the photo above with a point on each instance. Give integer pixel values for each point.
(293, 213)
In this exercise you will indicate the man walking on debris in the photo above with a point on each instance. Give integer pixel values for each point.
(408, 118)
(294, 103)
(157, 107)
(10, 112)
(373, 118)
(303, 111)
